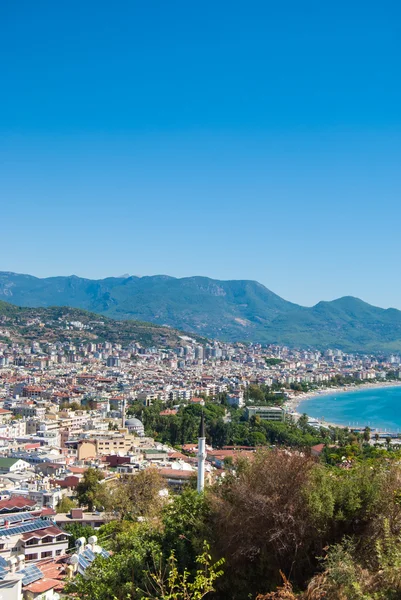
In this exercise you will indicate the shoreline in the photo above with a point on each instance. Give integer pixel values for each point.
(293, 403)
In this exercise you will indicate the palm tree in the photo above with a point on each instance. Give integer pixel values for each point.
(366, 434)
(388, 442)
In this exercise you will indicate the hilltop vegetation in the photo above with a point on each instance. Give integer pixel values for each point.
(62, 324)
(331, 532)
(226, 310)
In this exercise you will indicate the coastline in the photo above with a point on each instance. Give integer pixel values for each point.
(293, 403)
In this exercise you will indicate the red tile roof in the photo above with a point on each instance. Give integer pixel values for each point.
(41, 533)
(17, 503)
(176, 473)
(41, 586)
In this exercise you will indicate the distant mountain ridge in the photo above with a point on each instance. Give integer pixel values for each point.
(238, 310)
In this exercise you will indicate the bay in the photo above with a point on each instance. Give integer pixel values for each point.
(375, 407)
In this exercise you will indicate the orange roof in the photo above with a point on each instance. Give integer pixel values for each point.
(17, 502)
(34, 388)
(41, 586)
(53, 568)
(167, 472)
(222, 454)
(77, 469)
(177, 455)
(47, 511)
(318, 449)
(190, 447)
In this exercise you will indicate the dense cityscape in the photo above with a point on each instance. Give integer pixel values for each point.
(72, 409)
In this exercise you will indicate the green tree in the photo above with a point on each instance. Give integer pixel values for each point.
(303, 422)
(366, 434)
(119, 576)
(184, 527)
(65, 505)
(135, 495)
(255, 393)
(77, 530)
(89, 488)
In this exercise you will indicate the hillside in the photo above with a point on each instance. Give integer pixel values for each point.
(221, 309)
(52, 324)
(228, 310)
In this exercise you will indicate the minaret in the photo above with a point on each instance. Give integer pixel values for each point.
(123, 414)
(201, 455)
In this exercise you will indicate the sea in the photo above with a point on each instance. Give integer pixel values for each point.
(376, 407)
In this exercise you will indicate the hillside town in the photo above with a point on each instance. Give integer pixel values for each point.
(65, 408)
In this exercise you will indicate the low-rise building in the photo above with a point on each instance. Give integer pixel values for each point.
(266, 413)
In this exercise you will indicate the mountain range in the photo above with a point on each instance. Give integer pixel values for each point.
(228, 310)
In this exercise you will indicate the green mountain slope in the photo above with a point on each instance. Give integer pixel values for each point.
(24, 325)
(226, 309)
(346, 323)
(229, 310)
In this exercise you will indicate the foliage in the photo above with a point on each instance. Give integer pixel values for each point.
(346, 577)
(118, 577)
(65, 505)
(262, 522)
(73, 406)
(77, 530)
(89, 489)
(184, 527)
(168, 583)
(183, 427)
(283, 592)
(271, 362)
(279, 511)
(134, 495)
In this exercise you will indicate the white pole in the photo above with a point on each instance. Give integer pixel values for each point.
(201, 456)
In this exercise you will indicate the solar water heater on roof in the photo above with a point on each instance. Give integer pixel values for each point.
(30, 574)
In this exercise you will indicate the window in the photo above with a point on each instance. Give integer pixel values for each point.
(46, 554)
(47, 540)
(31, 557)
(32, 542)
(61, 538)
(58, 552)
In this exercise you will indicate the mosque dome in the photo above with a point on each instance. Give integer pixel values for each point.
(135, 426)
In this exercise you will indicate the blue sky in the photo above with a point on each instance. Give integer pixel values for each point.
(257, 140)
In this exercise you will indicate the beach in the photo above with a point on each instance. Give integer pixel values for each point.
(293, 402)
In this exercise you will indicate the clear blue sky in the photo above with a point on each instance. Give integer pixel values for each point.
(239, 140)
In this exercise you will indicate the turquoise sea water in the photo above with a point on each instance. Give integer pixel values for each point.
(375, 407)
